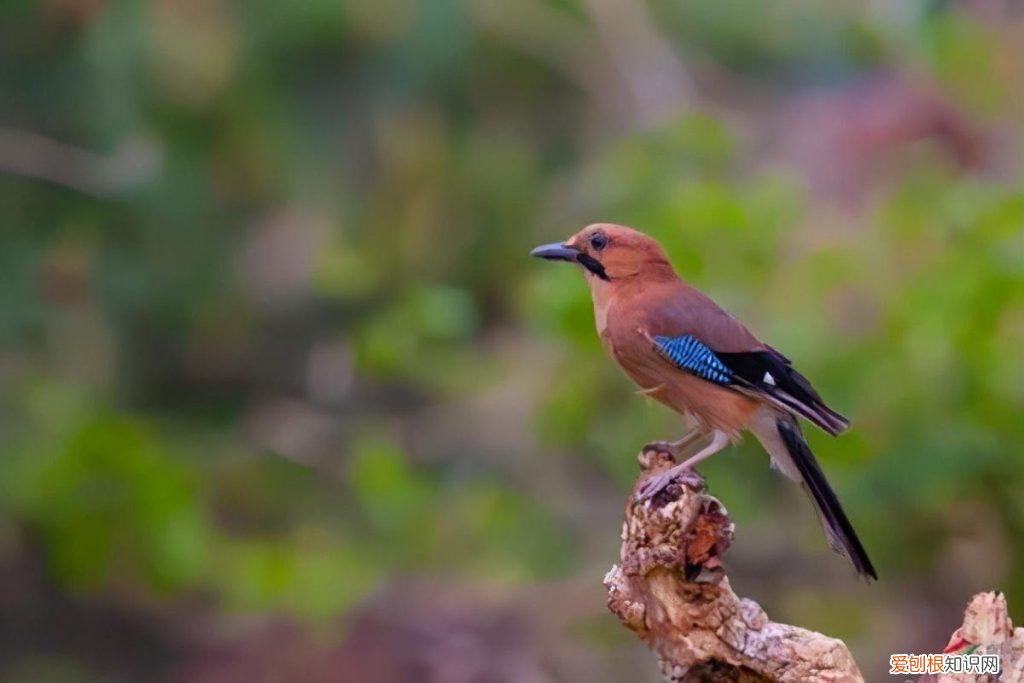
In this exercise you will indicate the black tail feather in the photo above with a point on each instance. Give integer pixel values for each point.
(837, 526)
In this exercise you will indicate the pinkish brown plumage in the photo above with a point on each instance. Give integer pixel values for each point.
(684, 351)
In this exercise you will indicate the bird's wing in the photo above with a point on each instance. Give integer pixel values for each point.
(770, 374)
(694, 334)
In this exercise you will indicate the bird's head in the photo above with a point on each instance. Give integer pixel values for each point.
(609, 252)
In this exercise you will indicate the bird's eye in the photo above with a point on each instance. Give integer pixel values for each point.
(598, 241)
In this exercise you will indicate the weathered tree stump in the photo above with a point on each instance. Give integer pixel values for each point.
(670, 589)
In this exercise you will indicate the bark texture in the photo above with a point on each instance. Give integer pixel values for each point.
(669, 587)
(987, 629)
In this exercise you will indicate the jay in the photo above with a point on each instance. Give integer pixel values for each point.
(689, 354)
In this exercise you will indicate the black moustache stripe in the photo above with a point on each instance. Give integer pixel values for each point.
(593, 265)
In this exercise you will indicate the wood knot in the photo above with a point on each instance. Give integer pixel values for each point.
(653, 459)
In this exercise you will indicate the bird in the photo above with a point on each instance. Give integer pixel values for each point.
(689, 354)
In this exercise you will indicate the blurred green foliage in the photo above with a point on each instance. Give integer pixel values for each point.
(270, 338)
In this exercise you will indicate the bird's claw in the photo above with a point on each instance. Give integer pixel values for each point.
(659, 482)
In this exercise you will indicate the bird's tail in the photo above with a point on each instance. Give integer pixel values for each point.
(793, 456)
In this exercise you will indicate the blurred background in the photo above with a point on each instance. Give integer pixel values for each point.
(284, 398)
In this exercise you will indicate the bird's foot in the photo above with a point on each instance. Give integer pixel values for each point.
(680, 474)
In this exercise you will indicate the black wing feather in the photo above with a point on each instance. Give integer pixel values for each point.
(765, 373)
(770, 373)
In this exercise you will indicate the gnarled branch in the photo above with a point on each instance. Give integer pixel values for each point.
(671, 590)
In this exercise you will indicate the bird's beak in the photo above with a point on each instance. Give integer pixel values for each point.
(557, 252)
(566, 252)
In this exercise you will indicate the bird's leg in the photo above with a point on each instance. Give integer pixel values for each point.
(719, 441)
(656, 483)
(675, 448)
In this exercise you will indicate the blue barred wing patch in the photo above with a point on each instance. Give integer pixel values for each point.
(693, 355)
